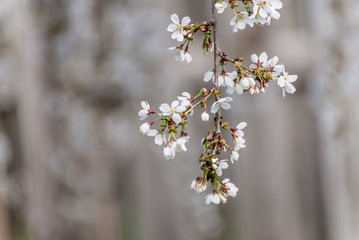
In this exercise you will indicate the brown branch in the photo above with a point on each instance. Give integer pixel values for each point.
(228, 59)
(199, 102)
(218, 116)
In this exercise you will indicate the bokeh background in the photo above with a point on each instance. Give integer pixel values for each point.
(74, 166)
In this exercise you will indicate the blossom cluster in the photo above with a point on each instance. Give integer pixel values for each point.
(183, 32)
(172, 132)
(172, 118)
(169, 127)
(248, 12)
(262, 70)
(253, 12)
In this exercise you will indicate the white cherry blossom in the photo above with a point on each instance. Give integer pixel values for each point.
(215, 198)
(173, 111)
(152, 132)
(185, 99)
(239, 143)
(177, 27)
(144, 128)
(222, 165)
(180, 144)
(221, 6)
(239, 129)
(230, 189)
(239, 21)
(169, 152)
(145, 111)
(227, 79)
(187, 57)
(265, 10)
(178, 53)
(285, 82)
(271, 63)
(160, 138)
(205, 116)
(234, 156)
(261, 61)
(199, 185)
(240, 87)
(223, 103)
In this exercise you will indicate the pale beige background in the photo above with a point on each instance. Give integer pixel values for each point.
(73, 164)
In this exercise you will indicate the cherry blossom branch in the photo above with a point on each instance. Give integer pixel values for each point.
(170, 129)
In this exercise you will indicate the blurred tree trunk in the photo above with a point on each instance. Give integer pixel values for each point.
(4, 221)
(36, 143)
(337, 87)
(68, 188)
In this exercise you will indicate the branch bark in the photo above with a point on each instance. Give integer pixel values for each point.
(218, 116)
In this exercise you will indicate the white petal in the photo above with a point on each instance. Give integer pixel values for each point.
(292, 78)
(184, 104)
(208, 199)
(175, 34)
(223, 199)
(226, 106)
(245, 83)
(254, 58)
(290, 88)
(216, 199)
(208, 76)
(159, 139)
(219, 171)
(241, 25)
(186, 94)
(205, 116)
(255, 10)
(174, 104)
(228, 99)
(263, 57)
(220, 80)
(281, 81)
(230, 90)
(226, 180)
(175, 18)
(180, 108)
(152, 132)
(262, 13)
(172, 27)
(233, 20)
(214, 108)
(241, 125)
(274, 14)
(277, 4)
(145, 105)
(164, 108)
(185, 21)
(234, 156)
(177, 118)
(239, 89)
(229, 81)
(144, 128)
(188, 57)
(143, 114)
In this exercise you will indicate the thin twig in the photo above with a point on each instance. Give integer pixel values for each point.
(199, 102)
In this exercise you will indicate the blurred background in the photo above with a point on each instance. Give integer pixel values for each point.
(73, 164)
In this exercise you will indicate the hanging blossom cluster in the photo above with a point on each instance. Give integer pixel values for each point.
(170, 123)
